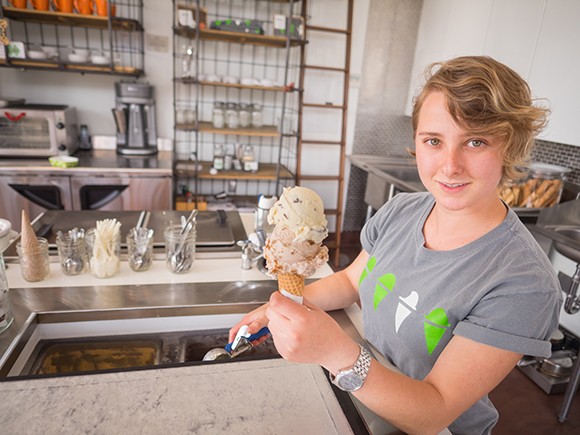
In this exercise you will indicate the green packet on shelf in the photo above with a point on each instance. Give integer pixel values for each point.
(63, 161)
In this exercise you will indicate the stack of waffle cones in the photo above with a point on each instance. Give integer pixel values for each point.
(291, 282)
(33, 256)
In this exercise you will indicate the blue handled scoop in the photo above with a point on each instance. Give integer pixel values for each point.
(241, 343)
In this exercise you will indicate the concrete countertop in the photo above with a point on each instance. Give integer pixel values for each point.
(98, 162)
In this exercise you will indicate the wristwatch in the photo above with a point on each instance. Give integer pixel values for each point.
(352, 379)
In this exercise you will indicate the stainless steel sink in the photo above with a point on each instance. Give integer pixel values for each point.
(567, 249)
(386, 180)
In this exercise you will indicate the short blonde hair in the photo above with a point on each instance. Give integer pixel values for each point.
(488, 98)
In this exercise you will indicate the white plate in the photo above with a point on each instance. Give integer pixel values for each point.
(77, 58)
(100, 60)
(37, 55)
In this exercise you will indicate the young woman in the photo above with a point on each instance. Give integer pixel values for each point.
(453, 288)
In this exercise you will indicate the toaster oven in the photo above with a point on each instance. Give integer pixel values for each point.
(38, 130)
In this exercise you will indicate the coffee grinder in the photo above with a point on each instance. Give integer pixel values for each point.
(134, 115)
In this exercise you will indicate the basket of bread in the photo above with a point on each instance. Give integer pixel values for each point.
(541, 187)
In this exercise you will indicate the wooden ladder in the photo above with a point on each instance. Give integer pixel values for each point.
(305, 142)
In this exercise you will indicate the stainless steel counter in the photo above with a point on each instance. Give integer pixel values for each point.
(101, 162)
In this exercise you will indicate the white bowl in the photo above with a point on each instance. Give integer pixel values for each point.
(51, 52)
(250, 81)
(100, 60)
(77, 58)
(37, 55)
(230, 80)
(81, 51)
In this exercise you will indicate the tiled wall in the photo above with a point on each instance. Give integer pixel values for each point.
(559, 154)
(381, 129)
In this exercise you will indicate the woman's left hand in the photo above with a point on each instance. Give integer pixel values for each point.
(306, 334)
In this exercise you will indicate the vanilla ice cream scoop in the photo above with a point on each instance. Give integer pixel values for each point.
(302, 211)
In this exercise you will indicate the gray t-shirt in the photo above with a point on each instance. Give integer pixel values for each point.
(500, 290)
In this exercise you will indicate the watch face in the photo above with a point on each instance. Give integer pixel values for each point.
(350, 381)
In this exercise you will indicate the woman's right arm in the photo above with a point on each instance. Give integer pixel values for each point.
(333, 292)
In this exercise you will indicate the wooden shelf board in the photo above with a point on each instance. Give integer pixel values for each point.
(207, 127)
(237, 37)
(65, 19)
(192, 81)
(266, 171)
(48, 65)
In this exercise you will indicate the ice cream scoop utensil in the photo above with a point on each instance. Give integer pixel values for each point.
(242, 342)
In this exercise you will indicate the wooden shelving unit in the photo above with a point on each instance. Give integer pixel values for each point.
(69, 67)
(205, 52)
(206, 127)
(73, 20)
(63, 32)
(237, 37)
(266, 171)
(192, 81)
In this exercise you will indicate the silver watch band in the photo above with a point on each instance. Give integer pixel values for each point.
(360, 369)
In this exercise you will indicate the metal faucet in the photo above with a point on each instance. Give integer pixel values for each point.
(252, 253)
(572, 304)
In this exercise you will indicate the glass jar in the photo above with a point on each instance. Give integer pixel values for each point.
(256, 115)
(179, 248)
(34, 262)
(218, 156)
(72, 252)
(140, 249)
(232, 116)
(104, 255)
(542, 187)
(245, 115)
(6, 314)
(218, 115)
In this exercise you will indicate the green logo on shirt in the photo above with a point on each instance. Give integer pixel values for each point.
(385, 284)
(435, 326)
(368, 269)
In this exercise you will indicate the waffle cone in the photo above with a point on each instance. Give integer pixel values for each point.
(28, 240)
(291, 282)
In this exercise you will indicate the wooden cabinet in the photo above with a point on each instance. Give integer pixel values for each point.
(537, 38)
(72, 42)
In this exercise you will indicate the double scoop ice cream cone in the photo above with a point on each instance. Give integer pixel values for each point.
(294, 250)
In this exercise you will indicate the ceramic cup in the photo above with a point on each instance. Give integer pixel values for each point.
(83, 7)
(65, 6)
(20, 4)
(40, 5)
(102, 9)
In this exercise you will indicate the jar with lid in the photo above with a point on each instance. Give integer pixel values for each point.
(218, 156)
(256, 115)
(249, 162)
(218, 114)
(245, 115)
(232, 115)
(541, 187)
